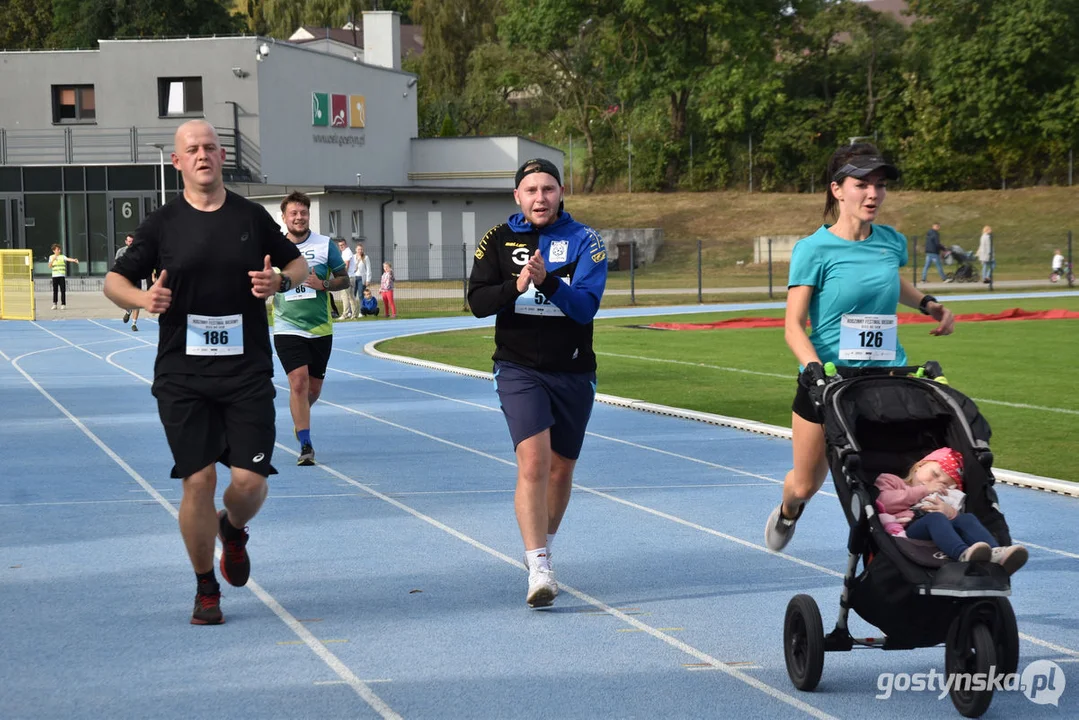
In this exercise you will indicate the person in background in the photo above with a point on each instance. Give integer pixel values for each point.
(386, 289)
(58, 265)
(985, 253)
(369, 305)
(349, 301)
(932, 252)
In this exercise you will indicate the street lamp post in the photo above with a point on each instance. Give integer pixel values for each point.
(160, 149)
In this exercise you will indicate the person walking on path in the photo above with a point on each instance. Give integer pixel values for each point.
(932, 252)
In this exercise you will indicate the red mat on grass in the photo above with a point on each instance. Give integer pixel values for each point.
(904, 319)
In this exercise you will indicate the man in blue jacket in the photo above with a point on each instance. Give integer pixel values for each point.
(932, 252)
(543, 274)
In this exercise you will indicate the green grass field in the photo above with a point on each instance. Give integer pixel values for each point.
(1019, 372)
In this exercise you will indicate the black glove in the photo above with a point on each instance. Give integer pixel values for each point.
(814, 380)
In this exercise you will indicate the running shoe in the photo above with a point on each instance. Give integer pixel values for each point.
(542, 587)
(207, 609)
(127, 316)
(307, 455)
(235, 564)
(779, 530)
(134, 327)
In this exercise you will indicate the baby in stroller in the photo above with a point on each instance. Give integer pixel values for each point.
(928, 505)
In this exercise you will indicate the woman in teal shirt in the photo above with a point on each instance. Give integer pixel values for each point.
(844, 279)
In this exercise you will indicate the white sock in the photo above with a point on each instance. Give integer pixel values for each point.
(537, 559)
(550, 542)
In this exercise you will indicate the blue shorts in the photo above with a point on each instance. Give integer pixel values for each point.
(533, 401)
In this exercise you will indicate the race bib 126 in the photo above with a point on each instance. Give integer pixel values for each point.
(867, 337)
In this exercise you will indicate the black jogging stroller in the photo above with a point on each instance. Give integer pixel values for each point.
(964, 271)
(885, 420)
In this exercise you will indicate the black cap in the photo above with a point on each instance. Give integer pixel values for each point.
(859, 166)
(535, 166)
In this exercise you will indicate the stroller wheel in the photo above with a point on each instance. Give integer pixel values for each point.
(1006, 635)
(968, 653)
(803, 642)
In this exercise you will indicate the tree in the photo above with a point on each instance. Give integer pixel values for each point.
(572, 40)
(1005, 73)
(25, 24)
(81, 23)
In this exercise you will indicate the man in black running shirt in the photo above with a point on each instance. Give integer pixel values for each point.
(216, 254)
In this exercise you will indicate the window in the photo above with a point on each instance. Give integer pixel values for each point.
(357, 224)
(179, 96)
(73, 104)
(335, 223)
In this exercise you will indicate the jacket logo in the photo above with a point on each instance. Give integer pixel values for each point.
(559, 250)
(520, 256)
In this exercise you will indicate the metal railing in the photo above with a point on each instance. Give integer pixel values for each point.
(92, 145)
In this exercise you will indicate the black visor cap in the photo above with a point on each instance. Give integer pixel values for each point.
(861, 166)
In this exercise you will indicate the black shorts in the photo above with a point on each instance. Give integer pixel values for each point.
(803, 407)
(210, 419)
(533, 400)
(295, 352)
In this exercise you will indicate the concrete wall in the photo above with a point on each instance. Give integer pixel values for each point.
(647, 240)
(297, 152)
(475, 162)
(782, 246)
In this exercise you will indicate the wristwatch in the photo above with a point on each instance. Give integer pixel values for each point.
(926, 299)
(326, 284)
(286, 283)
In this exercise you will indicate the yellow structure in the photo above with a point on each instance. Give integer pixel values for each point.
(16, 285)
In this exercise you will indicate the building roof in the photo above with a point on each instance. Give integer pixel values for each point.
(411, 37)
(896, 8)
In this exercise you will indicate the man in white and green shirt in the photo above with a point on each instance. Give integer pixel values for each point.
(302, 324)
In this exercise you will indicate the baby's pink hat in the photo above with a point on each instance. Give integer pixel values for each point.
(951, 462)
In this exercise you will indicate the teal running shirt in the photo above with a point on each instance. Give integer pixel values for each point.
(852, 278)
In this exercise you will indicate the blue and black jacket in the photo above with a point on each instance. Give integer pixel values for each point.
(557, 338)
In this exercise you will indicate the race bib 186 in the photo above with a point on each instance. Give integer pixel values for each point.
(300, 292)
(215, 335)
(867, 337)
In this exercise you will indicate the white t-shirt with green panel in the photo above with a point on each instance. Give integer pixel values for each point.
(302, 310)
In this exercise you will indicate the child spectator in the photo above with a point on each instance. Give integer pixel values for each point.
(386, 288)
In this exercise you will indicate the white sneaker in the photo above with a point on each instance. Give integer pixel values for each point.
(542, 587)
(978, 552)
(54, 306)
(779, 530)
(1010, 557)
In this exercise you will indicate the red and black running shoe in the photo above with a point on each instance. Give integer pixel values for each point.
(235, 565)
(207, 609)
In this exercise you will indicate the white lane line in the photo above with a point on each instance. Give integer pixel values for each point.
(589, 433)
(792, 376)
(658, 634)
(65, 340)
(1043, 548)
(593, 491)
(340, 669)
(4, 355)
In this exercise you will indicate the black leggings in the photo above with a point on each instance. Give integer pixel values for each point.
(59, 284)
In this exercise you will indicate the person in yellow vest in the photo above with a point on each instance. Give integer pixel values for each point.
(58, 264)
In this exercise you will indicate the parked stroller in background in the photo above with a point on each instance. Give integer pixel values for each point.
(964, 271)
(884, 420)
